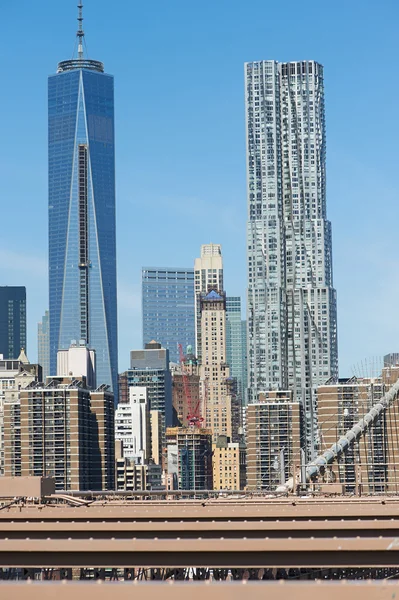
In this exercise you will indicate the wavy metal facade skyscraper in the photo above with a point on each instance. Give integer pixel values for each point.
(292, 322)
(82, 254)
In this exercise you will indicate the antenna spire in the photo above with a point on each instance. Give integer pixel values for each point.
(80, 33)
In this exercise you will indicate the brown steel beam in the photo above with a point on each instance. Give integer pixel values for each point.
(190, 529)
(211, 553)
(160, 511)
(331, 590)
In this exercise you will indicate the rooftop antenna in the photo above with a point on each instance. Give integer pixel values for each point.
(80, 33)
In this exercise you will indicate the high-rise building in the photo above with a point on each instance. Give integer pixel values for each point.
(12, 321)
(15, 375)
(168, 307)
(208, 276)
(62, 430)
(186, 396)
(150, 368)
(193, 447)
(43, 344)
(82, 252)
(219, 388)
(236, 344)
(132, 425)
(292, 322)
(273, 440)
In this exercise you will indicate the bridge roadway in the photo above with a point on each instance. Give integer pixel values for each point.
(223, 533)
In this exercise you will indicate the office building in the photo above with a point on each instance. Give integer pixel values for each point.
(82, 255)
(43, 344)
(236, 348)
(15, 375)
(132, 426)
(273, 440)
(150, 368)
(12, 321)
(292, 322)
(208, 276)
(194, 457)
(168, 308)
(220, 397)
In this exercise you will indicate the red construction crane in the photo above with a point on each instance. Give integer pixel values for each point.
(194, 412)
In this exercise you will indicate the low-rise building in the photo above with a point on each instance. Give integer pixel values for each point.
(227, 473)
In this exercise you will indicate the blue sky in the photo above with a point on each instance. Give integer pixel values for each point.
(180, 127)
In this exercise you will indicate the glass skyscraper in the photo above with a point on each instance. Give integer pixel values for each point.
(292, 320)
(82, 254)
(12, 320)
(168, 308)
(236, 344)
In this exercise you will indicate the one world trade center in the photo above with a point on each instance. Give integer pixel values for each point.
(82, 253)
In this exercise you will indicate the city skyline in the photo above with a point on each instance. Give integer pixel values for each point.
(364, 323)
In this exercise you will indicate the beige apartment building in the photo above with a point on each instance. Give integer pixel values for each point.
(228, 472)
(273, 440)
(221, 405)
(208, 273)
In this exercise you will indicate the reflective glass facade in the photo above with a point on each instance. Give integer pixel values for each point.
(236, 344)
(12, 320)
(168, 308)
(82, 254)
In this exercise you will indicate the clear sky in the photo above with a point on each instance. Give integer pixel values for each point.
(180, 127)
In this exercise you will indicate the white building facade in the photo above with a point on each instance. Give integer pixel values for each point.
(132, 425)
(292, 322)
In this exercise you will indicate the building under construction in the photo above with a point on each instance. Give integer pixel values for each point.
(186, 396)
(372, 461)
(273, 440)
(193, 448)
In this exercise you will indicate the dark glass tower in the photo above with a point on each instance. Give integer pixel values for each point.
(12, 321)
(82, 253)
